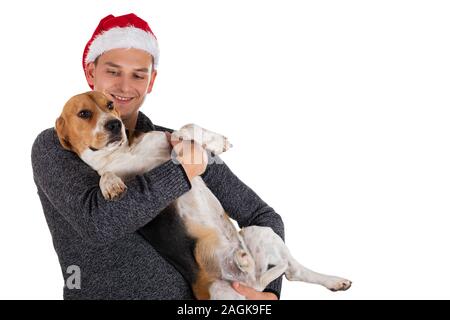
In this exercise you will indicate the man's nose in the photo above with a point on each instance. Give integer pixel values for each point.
(114, 126)
(124, 84)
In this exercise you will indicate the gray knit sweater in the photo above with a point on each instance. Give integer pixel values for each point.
(100, 237)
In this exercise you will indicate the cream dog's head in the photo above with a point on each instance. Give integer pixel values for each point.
(89, 122)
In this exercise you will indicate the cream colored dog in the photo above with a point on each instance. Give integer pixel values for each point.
(91, 127)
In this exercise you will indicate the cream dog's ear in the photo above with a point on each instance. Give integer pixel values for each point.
(61, 131)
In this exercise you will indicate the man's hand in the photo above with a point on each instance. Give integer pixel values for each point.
(192, 157)
(252, 294)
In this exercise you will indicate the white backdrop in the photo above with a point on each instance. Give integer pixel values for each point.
(338, 111)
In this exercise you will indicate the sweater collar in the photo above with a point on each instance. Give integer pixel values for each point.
(143, 123)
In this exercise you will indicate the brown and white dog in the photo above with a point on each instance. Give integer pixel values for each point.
(194, 233)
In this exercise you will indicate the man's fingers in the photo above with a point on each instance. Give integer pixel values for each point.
(173, 142)
(252, 294)
(168, 135)
(241, 289)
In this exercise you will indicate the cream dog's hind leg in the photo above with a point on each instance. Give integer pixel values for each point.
(269, 250)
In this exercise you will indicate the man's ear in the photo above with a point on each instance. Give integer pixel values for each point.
(152, 80)
(89, 73)
(61, 131)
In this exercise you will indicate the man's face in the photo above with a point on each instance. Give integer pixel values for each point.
(125, 76)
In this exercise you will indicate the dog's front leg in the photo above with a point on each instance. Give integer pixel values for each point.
(111, 185)
(211, 141)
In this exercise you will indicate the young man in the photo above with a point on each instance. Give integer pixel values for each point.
(101, 253)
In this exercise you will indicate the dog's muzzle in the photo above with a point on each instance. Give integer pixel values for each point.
(114, 126)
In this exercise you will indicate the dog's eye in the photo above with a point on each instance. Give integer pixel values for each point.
(85, 114)
(110, 105)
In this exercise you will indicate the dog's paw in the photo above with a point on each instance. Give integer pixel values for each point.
(339, 284)
(209, 140)
(112, 186)
(217, 144)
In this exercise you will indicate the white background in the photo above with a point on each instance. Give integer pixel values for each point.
(338, 111)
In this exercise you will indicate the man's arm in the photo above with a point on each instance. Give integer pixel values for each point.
(242, 204)
(72, 187)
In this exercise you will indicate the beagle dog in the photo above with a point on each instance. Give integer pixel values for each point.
(194, 232)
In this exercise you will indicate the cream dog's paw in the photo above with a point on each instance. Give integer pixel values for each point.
(112, 186)
(211, 141)
(339, 284)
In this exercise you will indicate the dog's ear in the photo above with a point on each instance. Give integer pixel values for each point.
(116, 112)
(61, 131)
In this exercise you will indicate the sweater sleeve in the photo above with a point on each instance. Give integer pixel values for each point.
(72, 187)
(242, 204)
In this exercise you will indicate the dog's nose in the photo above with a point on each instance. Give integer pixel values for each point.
(114, 126)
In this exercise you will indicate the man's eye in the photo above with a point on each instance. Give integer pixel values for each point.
(112, 72)
(110, 105)
(136, 76)
(85, 114)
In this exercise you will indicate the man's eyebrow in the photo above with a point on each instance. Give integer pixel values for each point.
(111, 64)
(141, 70)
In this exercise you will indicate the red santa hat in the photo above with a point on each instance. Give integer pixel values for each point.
(127, 31)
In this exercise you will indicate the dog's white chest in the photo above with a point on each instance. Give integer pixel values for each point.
(151, 150)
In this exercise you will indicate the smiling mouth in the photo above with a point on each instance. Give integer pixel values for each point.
(122, 99)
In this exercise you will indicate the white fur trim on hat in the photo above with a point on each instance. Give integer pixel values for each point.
(128, 37)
